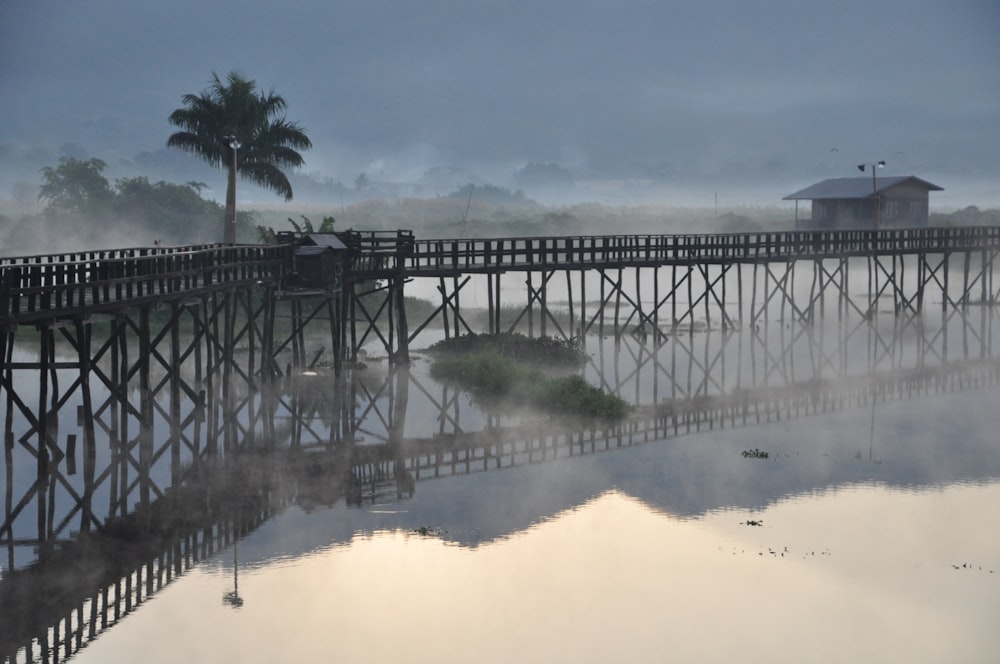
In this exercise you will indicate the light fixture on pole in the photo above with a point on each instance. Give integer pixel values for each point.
(233, 599)
(235, 145)
(874, 166)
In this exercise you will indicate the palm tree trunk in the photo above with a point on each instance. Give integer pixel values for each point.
(229, 222)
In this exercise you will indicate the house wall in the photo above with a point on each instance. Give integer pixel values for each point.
(836, 213)
(902, 206)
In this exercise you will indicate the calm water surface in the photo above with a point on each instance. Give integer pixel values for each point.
(867, 533)
(830, 549)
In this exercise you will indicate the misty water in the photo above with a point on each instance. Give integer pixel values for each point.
(784, 493)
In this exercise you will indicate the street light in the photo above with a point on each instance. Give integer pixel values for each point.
(235, 145)
(233, 599)
(874, 166)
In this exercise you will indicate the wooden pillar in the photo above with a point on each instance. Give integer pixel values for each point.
(499, 303)
(8, 443)
(531, 296)
(569, 302)
(145, 414)
(455, 300)
(86, 420)
(403, 352)
(444, 308)
(490, 304)
(618, 303)
(602, 306)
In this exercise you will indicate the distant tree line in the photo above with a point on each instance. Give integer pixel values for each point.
(83, 209)
(968, 216)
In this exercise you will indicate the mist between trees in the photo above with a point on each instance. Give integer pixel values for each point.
(76, 207)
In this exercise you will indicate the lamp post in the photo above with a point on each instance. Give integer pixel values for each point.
(874, 166)
(233, 599)
(235, 145)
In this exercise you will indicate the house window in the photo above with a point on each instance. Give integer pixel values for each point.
(891, 209)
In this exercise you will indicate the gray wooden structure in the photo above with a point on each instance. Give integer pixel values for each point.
(865, 202)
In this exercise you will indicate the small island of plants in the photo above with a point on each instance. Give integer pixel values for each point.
(515, 370)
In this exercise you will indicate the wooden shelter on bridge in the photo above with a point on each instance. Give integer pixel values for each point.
(320, 259)
(845, 203)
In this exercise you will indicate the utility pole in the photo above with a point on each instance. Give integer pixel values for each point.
(874, 166)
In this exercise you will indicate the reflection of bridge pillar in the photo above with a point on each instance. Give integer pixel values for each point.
(397, 431)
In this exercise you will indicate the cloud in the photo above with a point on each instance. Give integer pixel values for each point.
(618, 86)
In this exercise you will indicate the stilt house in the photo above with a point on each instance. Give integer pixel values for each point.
(864, 202)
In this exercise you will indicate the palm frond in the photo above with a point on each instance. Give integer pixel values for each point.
(235, 107)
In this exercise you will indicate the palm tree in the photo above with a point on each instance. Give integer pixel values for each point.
(231, 116)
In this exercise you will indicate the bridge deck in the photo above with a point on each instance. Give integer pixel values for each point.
(37, 288)
(446, 257)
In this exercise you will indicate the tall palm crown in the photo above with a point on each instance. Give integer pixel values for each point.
(235, 108)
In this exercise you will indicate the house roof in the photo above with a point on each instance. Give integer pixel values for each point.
(855, 187)
(326, 240)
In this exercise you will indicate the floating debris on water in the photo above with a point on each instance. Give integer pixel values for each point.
(755, 454)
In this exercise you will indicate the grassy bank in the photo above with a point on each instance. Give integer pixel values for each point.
(511, 370)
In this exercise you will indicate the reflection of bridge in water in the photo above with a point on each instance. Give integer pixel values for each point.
(161, 487)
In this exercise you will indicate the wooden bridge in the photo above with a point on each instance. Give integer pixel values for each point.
(187, 347)
(572, 285)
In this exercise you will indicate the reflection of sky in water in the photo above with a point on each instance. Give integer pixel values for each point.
(863, 554)
(860, 573)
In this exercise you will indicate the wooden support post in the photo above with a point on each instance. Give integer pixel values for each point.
(531, 298)
(603, 306)
(146, 416)
(444, 308)
(490, 307)
(618, 304)
(455, 303)
(403, 352)
(569, 304)
(690, 303)
(673, 298)
(175, 394)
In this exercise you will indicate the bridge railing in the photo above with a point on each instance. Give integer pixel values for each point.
(604, 250)
(38, 286)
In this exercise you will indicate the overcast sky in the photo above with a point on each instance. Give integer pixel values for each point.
(677, 90)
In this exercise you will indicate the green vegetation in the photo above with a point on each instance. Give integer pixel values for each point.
(84, 210)
(502, 370)
(542, 350)
(267, 234)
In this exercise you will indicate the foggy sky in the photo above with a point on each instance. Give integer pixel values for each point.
(683, 91)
